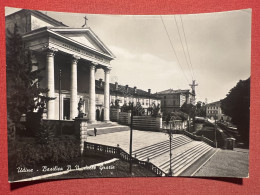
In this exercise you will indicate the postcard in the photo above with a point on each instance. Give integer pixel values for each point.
(92, 95)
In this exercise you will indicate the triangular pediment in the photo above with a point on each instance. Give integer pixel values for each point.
(84, 36)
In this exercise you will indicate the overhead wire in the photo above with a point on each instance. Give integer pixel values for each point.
(187, 46)
(174, 51)
(183, 48)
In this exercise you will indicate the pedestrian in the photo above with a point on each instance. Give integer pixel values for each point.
(95, 131)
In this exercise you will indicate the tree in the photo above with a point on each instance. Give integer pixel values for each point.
(189, 109)
(200, 109)
(237, 106)
(23, 93)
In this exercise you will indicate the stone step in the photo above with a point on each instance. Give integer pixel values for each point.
(165, 149)
(189, 162)
(160, 145)
(106, 130)
(177, 158)
(101, 124)
(184, 160)
(158, 149)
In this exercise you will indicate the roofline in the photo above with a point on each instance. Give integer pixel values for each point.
(48, 29)
(88, 29)
(39, 13)
(175, 92)
(213, 103)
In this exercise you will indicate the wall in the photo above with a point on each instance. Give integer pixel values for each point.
(38, 23)
(147, 123)
(20, 19)
(124, 118)
(178, 125)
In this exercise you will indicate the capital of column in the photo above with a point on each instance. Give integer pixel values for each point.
(93, 65)
(50, 50)
(75, 59)
(107, 70)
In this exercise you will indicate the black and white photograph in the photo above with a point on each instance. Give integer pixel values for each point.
(103, 96)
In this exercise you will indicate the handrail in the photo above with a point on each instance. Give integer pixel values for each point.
(123, 155)
(193, 136)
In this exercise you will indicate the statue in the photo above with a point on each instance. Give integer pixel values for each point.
(80, 108)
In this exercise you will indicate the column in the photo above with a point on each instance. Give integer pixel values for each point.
(106, 95)
(74, 88)
(50, 82)
(92, 94)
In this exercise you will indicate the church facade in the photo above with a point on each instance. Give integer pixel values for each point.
(70, 57)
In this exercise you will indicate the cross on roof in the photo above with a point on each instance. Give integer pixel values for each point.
(193, 85)
(85, 24)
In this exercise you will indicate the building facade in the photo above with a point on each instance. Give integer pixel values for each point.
(213, 111)
(71, 57)
(172, 100)
(123, 94)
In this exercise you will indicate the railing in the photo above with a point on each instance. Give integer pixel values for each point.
(191, 135)
(198, 138)
(123, 155)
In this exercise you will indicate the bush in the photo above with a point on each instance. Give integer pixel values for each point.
(61, 149)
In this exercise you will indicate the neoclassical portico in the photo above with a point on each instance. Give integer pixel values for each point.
(90, 52)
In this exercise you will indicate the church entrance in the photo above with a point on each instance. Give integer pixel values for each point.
(66, 108)
(98, 115)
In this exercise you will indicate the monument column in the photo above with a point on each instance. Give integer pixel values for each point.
(106, 95)
(92, 94)
(50, 82)
(74, 88)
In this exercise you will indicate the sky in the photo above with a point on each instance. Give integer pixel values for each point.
(218, 49)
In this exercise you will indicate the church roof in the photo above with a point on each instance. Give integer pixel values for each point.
(92, 42)
(40, 15)
(85, 36)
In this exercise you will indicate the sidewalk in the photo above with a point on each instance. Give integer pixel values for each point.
(226, 163)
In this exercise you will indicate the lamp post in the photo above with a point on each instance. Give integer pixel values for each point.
(170, 136)
(216, 144)
(131, 137)
(60, 99)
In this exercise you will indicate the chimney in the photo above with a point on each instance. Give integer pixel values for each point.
(116, 86)
(100, 82)
(126, 88)
(149, 91)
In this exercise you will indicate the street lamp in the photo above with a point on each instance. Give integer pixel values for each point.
(216, 144)
(131, 136)
(170, 136)
(60, 99)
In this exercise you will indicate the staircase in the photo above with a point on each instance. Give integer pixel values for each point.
(104, 128)
(160, 148)
(184, 160)
(185, 153)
